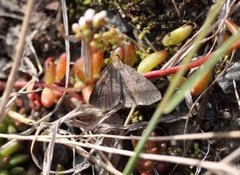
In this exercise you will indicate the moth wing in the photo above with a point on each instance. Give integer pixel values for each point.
(128, 100)
(138, 90)
(106, 93)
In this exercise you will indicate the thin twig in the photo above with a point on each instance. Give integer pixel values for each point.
(129, 117)
(11, 15)
(49, 153)
(229, 158)
(232, 157)
(213, 166)
(18, 56)
(98, 162)
(195, 136)
(67, 45)
(176, 8)
(236, 93)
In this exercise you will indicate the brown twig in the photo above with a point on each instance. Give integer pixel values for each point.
(18, 56)
(210, 165)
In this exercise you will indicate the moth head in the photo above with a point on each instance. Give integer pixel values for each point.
(117, 63)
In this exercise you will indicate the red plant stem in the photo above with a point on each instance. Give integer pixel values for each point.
(149, 75)
(153, 74)
(21, 83)
(174, 69)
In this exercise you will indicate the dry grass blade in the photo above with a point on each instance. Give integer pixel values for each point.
(33, 50)
(19, 52)
(236, 93)
(54, 128)
(67, 45)
(234, 156)
(98, 162)
(212, 166)
(21, 118)
(49, 152)
(35, 160)
(195, 136)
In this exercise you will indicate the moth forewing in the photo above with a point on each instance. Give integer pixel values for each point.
(107, 91)
(139, 88)
(127, 97)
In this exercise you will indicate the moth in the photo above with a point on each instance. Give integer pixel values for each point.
(120, 84)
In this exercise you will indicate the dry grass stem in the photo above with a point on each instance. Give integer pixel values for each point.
(17, 59)
(212, 166)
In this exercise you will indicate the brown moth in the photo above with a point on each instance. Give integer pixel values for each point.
(120, 84)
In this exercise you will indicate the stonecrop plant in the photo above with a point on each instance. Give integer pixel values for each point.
(96, 37)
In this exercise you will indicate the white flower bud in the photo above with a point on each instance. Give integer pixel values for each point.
(101, 15)
(82, 21)
(89, 14)
(100, 18)
(75, 27)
